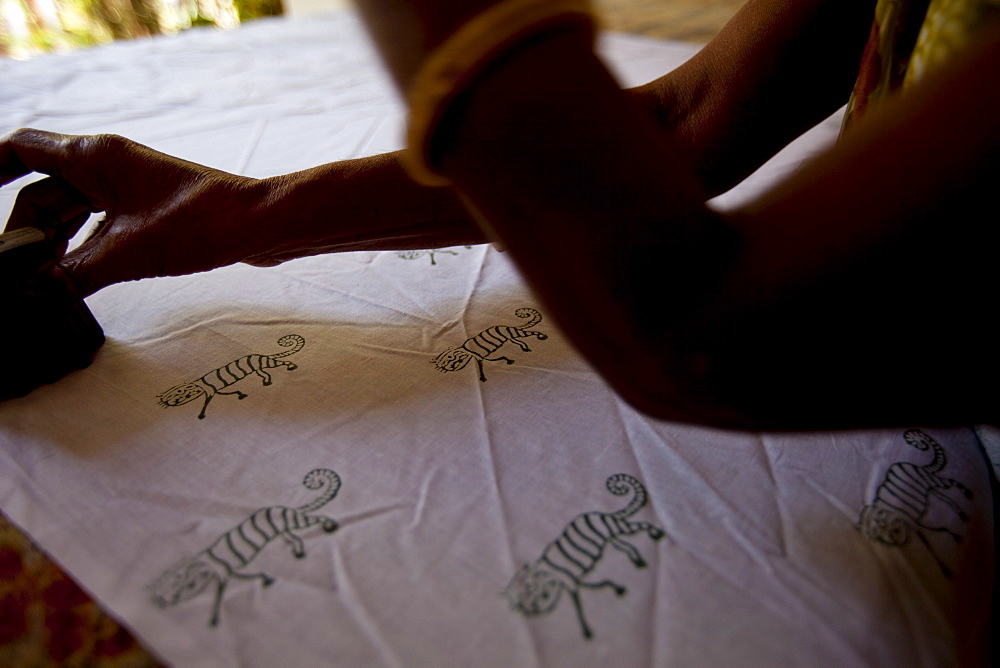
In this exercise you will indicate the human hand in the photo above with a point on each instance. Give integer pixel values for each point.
(162, 216)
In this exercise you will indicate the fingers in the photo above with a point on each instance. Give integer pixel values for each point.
(73, 226)
(24, 151)
(51, 205)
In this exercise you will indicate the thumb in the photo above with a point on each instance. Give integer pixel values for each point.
(110, 254)
(83, 271)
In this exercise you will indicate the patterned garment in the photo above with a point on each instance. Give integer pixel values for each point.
(909, 39)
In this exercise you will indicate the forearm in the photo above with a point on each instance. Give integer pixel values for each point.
(793, 313)
(168, 217)
(363, 204)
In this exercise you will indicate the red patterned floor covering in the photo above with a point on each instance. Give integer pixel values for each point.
(47, 620)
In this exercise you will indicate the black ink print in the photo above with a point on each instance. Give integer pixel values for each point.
(536, 588)
(430, 252)
(903, 498)
(226, 557)
(488, 342)
(214, 382)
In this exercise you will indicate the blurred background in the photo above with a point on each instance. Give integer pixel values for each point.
(32, 27)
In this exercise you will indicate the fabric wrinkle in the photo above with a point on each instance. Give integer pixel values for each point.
(771, 464)
(251, 146)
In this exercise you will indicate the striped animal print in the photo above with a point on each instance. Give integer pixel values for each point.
(214, 382)
(487, 342)
(226, 557)
(903, 499)
(430, 252)
(567, 560)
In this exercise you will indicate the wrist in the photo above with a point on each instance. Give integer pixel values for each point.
(405, 33)
(270, 215)
(437, 49)
(454, 66)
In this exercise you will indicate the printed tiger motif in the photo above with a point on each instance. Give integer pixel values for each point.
(566, 561)
(903, 499)
(430, 252)
(487, 342)
(226, 557)
(214, 382)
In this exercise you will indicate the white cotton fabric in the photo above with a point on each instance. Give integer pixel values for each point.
(449, 484)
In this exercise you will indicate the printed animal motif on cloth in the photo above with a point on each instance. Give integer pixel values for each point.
(217, 380)
(226, 558)
(904, 497)
(566, 561)
(483, 346)
(430, 252)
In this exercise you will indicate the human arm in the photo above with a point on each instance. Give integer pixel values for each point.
(165, 216)
(836, 300)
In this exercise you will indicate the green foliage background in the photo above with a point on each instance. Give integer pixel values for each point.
(30, 27)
